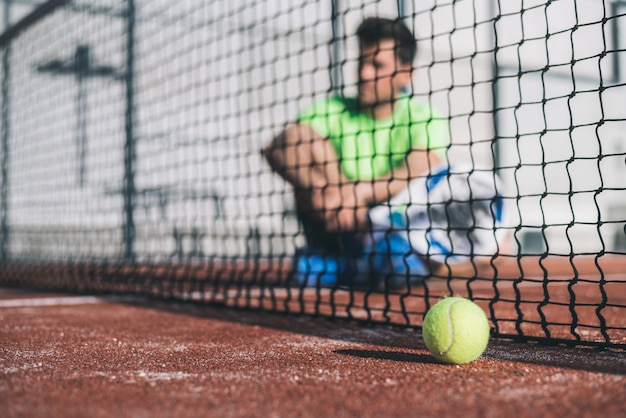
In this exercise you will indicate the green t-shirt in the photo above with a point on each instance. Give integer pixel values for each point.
(369, 148)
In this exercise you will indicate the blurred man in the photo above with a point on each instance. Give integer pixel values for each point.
(347, 155)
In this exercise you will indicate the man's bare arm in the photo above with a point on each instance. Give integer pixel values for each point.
(309, 162)
(418, 162)
(304, 158)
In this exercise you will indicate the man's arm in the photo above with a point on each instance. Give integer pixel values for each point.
(304, 158)
(418, 162)
(310, 164)
(308, 161)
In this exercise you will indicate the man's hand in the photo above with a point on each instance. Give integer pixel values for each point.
(342, 208)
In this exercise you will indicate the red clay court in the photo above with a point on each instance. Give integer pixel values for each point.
(123, 355)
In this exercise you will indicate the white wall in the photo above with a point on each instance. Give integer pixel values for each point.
(217, 80)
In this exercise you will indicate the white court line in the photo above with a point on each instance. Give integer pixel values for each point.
(67, 300)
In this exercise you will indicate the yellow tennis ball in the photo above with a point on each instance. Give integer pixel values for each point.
(456, 330)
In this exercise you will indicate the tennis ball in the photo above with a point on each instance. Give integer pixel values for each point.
(456, 330)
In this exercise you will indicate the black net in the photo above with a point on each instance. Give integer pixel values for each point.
(131, 159)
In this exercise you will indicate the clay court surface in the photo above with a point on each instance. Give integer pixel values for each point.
(67, 355)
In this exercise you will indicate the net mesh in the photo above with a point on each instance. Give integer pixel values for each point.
(132, 136)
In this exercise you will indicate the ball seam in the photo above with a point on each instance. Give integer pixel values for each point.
(450, 328)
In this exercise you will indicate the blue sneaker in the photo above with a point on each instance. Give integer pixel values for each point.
(396, 264)
(312, 270)
(331, 271)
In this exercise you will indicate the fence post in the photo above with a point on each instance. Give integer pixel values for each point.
(336, 80)
(4, 187)
(129, 148)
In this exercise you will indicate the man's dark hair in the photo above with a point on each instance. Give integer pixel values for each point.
(375, 29)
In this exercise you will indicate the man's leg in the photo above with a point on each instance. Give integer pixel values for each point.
(329, 259)
(452, 219)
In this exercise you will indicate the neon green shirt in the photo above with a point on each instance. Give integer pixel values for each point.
(369, 148)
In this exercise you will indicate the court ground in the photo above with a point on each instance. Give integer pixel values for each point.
(82, 355)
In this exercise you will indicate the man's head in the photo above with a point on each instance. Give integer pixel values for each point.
(387, 50)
